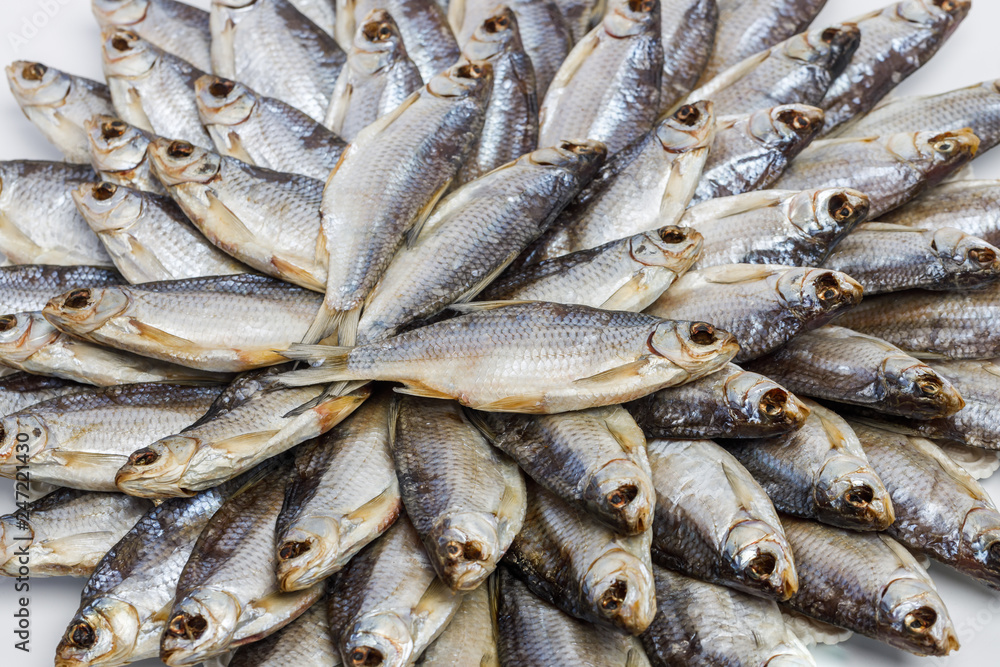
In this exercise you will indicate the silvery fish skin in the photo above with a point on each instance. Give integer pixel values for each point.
(81, 439)
(471, 636)
(941, 511)
(642, 188)
(118, 153)
(701, 623)
(750, 151)
(175, 27)
(151, 88)
(730, 403)
(30, 343)
(581, 15)
(796, 71)
(627, 274)
(594, 459)
(423, 24)
(378, 76)
(819, 472)
(148, 236)
(747, 27)
(27, 287)
(510, 126)
(342, 495)
(227, 594)
(837, 364)
(39, 223)
(304, 641)
(266, 219)
(19, 390)
(264, 131)
(66, 532)
(972, 206)
(387, 605)
(534, 633)
(275, 50)
(884, 593)
(58, 104)
(573, 561)
(608, 88)
(251, 421)
(321, 12)
(763, 306)
(933, 324)
(891, 258)
(387, 183)
(736, 539)
(123, 607)
(891, 170)
(775, 226)
(895, 42)
(474, 234)
(465, 499)
(512, 358)
(688, 31)
(176, 321)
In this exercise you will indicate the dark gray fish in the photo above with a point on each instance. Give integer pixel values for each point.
(175, 27)
(305, 641)
(30, 286)
(20, 390)
(688, 31)
(971, 206)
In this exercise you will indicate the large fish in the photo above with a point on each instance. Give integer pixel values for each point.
(972, 206)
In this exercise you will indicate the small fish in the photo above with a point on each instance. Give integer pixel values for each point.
(264, 131)
(471, 636)
(941, 511)
(19, 390)
(968, 205)
(267, 219)
(895, 42)
(465, 499)
(148, 236)
(775, 226)
(272, 48)
(387, 605)
(176, 321)
(118, 153)
(627, 274)
(58, 104)
(796, 71)
(730, 403)
(151, 88)
(27, 287)
(175, 27)
(40, 223)
(66, 532)
(700, 623)
(378, 76)
(734, 540)
(687, 33)
(500, 357)
(819, 472)
(883, 592)
(891, 170)
(343, 494)
(837, 364)
(304, 641)
(763, 306)
(534, 633)
(751, 151)
(573, 561)
(608, 88)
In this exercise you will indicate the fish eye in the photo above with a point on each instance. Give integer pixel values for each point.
(104, 191)
(622, 496)
(642, 6)
(920, 621)
(983, 255)
(929, 386)
(187, 627)
(772, 403)
(703, 333)
(672, 235)
(180, 149)
(82, 635)
(113, 129)
(365, 656)
(143, 457)
(859, 496)
(947, 5)
(946, 147)
(795, 120)
(496, 23)
(8, 322)
(453, 550)
(762, 566)
(829, 35)
(471, 71)
(687, 115)
(290, 550)
(34, 71)
(384, 32)
(221, 87)
(839, 208)
(78, 298)
(614, 597)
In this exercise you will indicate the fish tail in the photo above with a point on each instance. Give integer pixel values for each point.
(330, 365)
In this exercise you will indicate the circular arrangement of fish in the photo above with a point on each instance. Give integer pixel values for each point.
(406, 333)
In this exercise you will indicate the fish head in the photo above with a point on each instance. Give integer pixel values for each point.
(619, 588)
(464, 80)
(936, 154)
(627, 18)
(933, 13)
(465, 548)
(377, 43)
(761, 402)
(34, 84)
(761, 559)
(126, 54)
(981, 542)
(14, 534)
(308, 552)
(155, 471)
(84, 309)
(697, 347)
(119, 12)
(817, 295)
(830, 48)
(199, 626)
(786, 125)
(107, 207)
(968, 260)
(826, 215)
(178, 162)
(911, 616)
(104, 632)
(621, 493)
(114, 144)
(669, 247)
(380, 639)
(496, 35)
(23, 334)
(915, 387)
(581, 157)
(690, 127)
(222, 101)
(848, 493)
(22, 434)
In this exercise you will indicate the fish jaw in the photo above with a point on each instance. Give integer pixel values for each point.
(381, 639)
(852, 496)
(85, 309)
(465, 549)
(622, 494)
(200, 626)
(617, 584)
(759, 557)
(103, 633)
(156, 471)
(308, 553)
(912, 617)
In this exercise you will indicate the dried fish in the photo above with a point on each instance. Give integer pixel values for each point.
(971, 206)
(118, 153)
(471, 636)
(304, 641)
(20, 390)
(581, 15)
(688, 32)
(27, 287)
(175, 27)
(321, 12)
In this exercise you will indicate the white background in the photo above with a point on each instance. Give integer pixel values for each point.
(69, 40)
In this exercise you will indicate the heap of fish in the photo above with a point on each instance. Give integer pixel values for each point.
(406, 333)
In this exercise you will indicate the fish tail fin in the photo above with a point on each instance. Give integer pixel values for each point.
(330, 365)
(325, 325)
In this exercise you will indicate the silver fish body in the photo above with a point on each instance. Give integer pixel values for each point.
(687, 33)
(471, 636)
(973, 206)
(175, 27)
(321, 12)
(304, 641)
(20, 390)
(581, 15)
(118, 153)
(28, 287)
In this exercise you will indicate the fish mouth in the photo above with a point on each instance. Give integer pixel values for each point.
(760, 560)
(621, 495)
(34, 84)
(920, 391)
(851, 496)
(103, 633)
(617, 587)
(199, 627)
(466, 550)
(914, 619)
(378, 640)
(306, 557)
